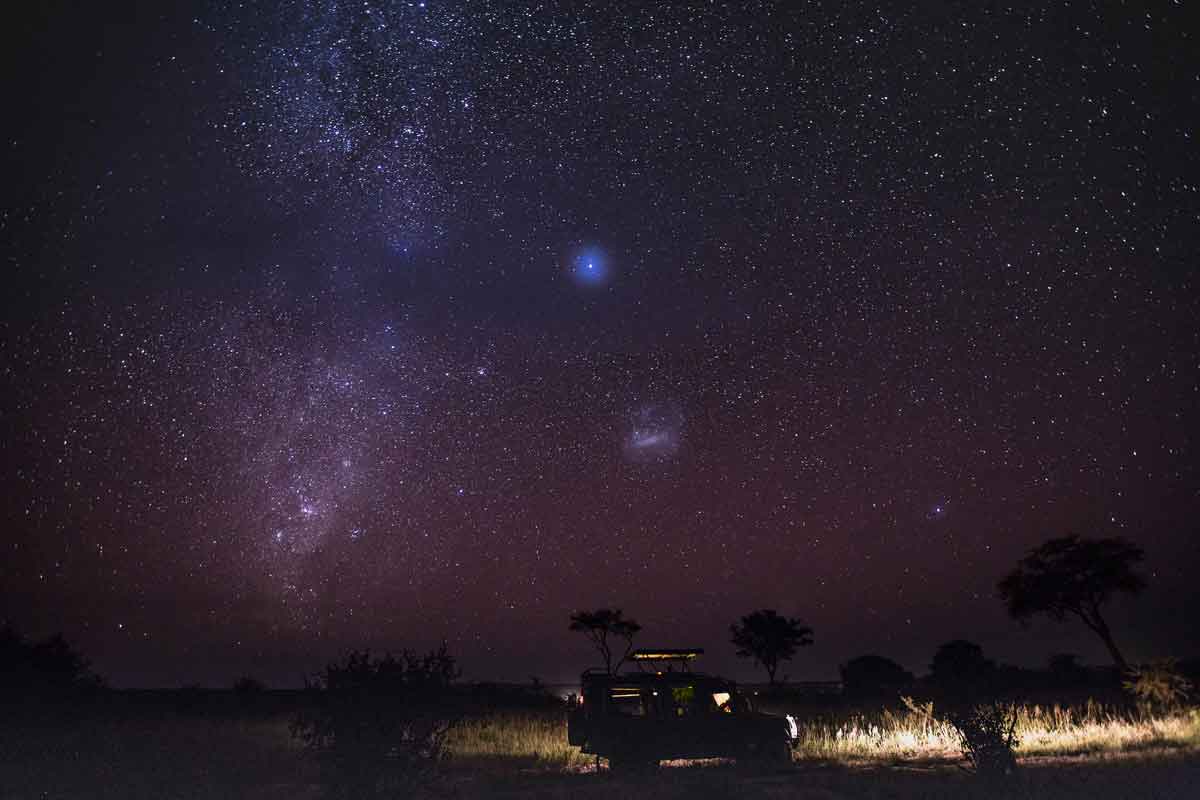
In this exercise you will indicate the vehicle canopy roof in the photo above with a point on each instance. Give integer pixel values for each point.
(658, 666)
(656, 679)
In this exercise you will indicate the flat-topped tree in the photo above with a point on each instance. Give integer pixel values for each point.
(769, 638)
(601, 624)
(1073, 576)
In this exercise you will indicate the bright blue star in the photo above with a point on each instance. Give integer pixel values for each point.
(589, 268)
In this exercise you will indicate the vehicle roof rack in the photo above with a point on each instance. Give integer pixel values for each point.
(657, 655)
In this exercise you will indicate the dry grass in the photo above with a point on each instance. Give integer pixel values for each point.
(1057, 731)
(531, 737)
(887, 736)
(918, 735)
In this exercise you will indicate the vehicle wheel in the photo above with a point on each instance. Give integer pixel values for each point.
(768, 754)
(780, 753)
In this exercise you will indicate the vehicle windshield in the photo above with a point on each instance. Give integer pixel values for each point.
(670, 699)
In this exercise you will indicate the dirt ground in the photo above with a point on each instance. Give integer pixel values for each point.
(1149, 775)
(1169, 776)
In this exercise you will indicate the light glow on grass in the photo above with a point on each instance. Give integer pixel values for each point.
(887, 736)
(1053, 730)
(538, 738)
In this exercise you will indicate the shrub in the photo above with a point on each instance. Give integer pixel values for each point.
(1159, 686)
(379, 725)
(987, 734)
(248, 685)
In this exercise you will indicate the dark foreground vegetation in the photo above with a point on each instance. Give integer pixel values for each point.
(171, 746)
(390, 726)
(481, 741)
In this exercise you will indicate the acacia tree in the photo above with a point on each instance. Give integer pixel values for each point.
(769, 638)
(602, 623)
(1074, 576)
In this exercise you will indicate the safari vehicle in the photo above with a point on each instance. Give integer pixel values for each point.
(650, 714)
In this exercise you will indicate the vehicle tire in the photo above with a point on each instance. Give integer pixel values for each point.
(780, 753)
(767, 754)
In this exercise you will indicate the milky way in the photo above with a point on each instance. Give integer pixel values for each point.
(337, 325)
(352, 105)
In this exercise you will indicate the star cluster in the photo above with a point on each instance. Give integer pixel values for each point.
(338, 325)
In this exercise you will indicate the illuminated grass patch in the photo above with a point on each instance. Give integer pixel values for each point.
(540, 739)
(1053, 730)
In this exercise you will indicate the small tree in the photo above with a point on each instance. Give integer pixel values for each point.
(602, 623)
(1076, 577)
(769, 638)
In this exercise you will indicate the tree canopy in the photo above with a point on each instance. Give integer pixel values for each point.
(1074, 576)
(769, 638)
(959, 664)
(601, 624)
(870, 675)
(51, 665)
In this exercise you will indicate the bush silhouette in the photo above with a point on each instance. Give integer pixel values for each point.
(248, 685)
(873, 676)
(987, 734)
(1065, 670)
(46, 668)
(959, 668)
(379, 725)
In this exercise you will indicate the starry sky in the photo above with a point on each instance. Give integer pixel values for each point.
(348, 324)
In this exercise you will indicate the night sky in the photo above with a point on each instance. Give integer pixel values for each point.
(332, 325)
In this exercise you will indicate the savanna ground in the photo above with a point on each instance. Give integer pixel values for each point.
(223, 747)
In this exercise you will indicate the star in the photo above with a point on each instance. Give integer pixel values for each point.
(589, 268)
